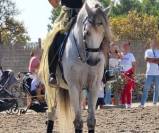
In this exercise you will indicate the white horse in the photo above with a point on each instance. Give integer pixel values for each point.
(83, 64)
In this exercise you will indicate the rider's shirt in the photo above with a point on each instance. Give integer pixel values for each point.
(127, 61)
(72, 3)
(152, 68)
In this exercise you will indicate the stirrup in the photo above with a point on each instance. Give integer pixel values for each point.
(52, 80)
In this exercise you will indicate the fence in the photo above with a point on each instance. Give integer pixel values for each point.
(17, 57)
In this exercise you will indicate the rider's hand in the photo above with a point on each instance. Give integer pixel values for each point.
(54, 3)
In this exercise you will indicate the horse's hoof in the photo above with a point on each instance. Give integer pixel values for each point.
(78, 131)
(91, 131)
(50, 125)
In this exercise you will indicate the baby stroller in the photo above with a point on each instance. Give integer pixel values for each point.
(7, 99)
(35, 104)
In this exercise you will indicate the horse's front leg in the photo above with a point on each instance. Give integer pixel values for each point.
(75, 98)
(51, 119)
(92, 100)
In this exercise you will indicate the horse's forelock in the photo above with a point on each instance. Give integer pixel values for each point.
(97, 11)
(93, 5)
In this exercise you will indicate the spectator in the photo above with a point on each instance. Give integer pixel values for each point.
(113, 64)
(100, 101)
(114, 56)
(152, 72)
(36, 87)
(128, 64)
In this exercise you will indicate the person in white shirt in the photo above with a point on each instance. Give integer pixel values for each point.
(100, 101)
(113, 65)
(127, 60)
(128, 64)
(152, 72)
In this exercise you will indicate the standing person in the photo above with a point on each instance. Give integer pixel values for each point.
(113, 64)
(128, 64)
(100, 102)
(69, 10)
(152, 72)
(34, 64)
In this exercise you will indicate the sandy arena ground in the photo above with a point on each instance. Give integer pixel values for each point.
(135, 120)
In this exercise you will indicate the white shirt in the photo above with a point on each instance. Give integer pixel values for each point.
(113, 62)
(152, 68)
(127, 61)
(101, 91)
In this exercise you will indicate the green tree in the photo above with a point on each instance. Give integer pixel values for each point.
(125, 6)
(11, 30)
(150, 7)
(134, 26)
(54, 14)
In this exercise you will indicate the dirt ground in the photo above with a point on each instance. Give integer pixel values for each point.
(134, 120)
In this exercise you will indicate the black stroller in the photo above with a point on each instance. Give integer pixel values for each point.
(7, 100)
(35, 105)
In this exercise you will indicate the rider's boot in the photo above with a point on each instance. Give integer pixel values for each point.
(50, 126)
(52, 76)
(52, 79)
(53, 58)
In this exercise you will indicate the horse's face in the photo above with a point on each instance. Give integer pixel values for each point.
(95, 27)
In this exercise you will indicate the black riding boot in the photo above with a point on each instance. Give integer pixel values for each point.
(78, 131)
(53, 56)
(91, 131)
(50, 126)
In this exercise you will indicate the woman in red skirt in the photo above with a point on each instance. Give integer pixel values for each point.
(128, 64)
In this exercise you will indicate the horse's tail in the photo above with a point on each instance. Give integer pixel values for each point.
(65, 113)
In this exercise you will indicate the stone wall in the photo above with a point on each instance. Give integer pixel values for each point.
(17, 57)
(14, 57)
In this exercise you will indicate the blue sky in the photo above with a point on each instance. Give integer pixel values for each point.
(35, 15)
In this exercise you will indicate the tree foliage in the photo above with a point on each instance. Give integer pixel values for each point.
(131, 19)
(135, 26)
(54, 14)
(11, 30)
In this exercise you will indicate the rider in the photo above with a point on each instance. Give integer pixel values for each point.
(69, 10)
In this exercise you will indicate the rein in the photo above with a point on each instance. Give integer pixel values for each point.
(79, 55)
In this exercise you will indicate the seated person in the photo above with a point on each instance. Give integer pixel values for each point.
(37, 88)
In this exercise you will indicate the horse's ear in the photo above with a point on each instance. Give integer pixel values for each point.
(88, 9)
(107, 10)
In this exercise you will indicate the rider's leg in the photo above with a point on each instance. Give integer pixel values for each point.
(53, 57)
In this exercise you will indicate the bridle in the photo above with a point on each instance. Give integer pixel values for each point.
(91, 21)
(87, 49)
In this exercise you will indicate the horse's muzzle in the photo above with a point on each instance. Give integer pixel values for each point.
(92, 62)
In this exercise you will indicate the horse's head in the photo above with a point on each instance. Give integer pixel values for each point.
(95, 28)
